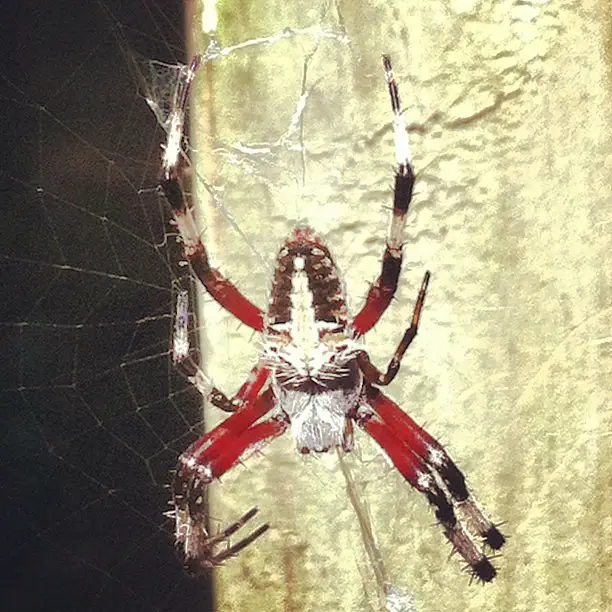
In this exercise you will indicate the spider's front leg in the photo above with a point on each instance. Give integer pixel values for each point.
(207, 459)
(381, 293)
(220, 289)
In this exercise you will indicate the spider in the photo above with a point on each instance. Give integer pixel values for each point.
(313, 376)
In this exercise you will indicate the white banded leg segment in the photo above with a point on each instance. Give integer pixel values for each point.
(180, 347)
(188, 231)
(477, 520)
(402, 144)
(460, 538)
(172, 149)
(207, 388)
(180, 339)
(404, 178)
(479, 564)
(202, 383)
(181, 358)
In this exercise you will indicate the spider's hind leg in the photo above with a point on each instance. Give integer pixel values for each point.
(234, 549)
(454, 480)
(434, 454)
(196, 565)
(206, 460)
(420, 475)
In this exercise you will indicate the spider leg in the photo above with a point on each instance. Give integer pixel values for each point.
(381, 293)
(234, 549)
(231, 550)
(210, 457)
(370, 372)
(234, 527)
(181, 355)
(433, 454)
(232, 449)
(220, 289)
(407, 454)
(213, 394)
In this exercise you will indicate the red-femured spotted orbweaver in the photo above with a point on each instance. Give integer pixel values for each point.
(313, 376)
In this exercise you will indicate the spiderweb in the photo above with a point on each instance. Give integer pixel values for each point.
(93, 415)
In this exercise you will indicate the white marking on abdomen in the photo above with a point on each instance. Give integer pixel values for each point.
(318, 420)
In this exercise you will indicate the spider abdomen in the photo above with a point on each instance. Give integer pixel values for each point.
(318, 421)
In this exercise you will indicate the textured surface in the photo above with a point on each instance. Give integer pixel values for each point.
(508, 107)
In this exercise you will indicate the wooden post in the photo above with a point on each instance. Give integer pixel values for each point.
(508, 113)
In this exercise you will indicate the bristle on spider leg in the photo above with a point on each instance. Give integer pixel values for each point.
(483, 571)
(482, 525)
(477, 562)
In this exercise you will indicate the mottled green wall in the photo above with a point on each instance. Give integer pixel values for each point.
(508, 106)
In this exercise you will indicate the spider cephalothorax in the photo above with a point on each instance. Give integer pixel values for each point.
(313, 376)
